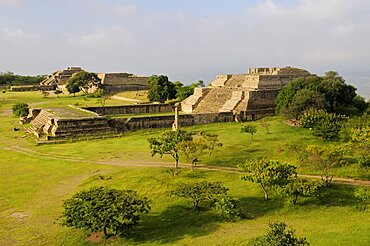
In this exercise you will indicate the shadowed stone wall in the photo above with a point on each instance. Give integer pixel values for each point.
(132, 109)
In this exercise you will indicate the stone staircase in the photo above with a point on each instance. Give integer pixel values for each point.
(190, 103)
(79, 128)
(38, 123)
(214, 100)
(236, 80)
(235, 99)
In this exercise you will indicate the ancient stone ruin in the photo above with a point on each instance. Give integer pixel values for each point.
(111, 82)
(252, 95)
(228, 98)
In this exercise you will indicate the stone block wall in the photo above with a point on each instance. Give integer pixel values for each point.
(132, 109)
(33, 88)
(166, 121)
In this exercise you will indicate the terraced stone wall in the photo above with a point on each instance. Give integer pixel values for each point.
(132, 109)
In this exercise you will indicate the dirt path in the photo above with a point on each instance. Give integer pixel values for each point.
(29, 152)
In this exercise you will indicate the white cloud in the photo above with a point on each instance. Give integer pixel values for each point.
(12, 33)
(117, 10)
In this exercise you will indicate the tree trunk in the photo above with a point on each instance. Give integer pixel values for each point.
(105, 232)
(177, 160)
(265, 191)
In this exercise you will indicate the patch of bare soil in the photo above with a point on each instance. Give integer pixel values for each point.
(20, 216)
(95, 237)
(7, 112)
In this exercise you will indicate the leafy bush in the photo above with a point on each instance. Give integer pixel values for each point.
(113, 211)
(362, 194)
(279, 234)
(20, 109)
(227, 208)
(324, 124)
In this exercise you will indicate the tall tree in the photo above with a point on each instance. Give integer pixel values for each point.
(161, 89)
(168, 144)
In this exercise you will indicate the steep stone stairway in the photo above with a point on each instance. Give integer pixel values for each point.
(214, 100)
(230, 104)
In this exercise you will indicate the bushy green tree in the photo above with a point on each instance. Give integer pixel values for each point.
(268, 173)
(325, 125)
(20, 109)
(201, 192)
(329, 91)
(303, 100)
(168, 144)
(279, 234)
(82, 81)
(326, 159)
(110, 210)
(249, 129)
(362, 194)
(161, 89)
(297, 187)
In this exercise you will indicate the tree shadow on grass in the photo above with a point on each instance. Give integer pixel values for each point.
(254, 207)
(173, 224)
(338, 195)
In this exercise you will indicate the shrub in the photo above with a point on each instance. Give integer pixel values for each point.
(113, 211)
(227, 208)
(20, 109)
(279, 234)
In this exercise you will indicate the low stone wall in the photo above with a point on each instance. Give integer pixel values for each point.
(166, 121)
(33, 88)
(132, 109)
(120, 88)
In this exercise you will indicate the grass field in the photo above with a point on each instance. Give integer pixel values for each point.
(34, 181)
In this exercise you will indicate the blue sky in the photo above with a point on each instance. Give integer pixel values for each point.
(186, 39)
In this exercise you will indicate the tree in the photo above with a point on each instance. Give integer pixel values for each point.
(300, 187)
(167, 144)
(113, 211)
(265, 125)
(305, 99)
(72, 88)
(249, 129)
(360, 138)
(329, 90)
(327, 159)
(20, 109)
(362, 194)
(200, 192)
(279, 234)
(360, 103)
(198, 146)
(85, 80)
(325, 125)
(161, 89)
(268, 173)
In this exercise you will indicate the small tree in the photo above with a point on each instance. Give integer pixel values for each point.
(200, 192)
(168, 144)
(72, 88)
(266, 125)
(20, 109)
(327, 159)
(113, 211)
(268, 173)
(197, 147)
(249, 129)
(300, 187)
(227, 208)
(362, 194)
(279, 234)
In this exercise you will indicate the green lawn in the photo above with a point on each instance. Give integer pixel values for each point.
(34, 182)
